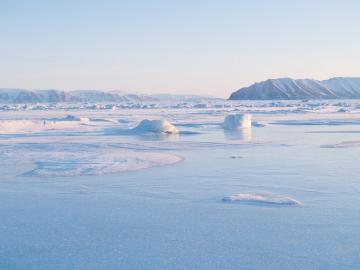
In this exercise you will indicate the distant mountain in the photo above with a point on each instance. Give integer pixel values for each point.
(95, 96)
(184, 98)
(287, 89)
(26, 96)
(50, 96)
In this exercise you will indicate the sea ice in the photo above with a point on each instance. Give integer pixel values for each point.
(237, 121)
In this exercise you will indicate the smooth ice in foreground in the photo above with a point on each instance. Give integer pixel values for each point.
(237, 121)
(261, 198)
(155, 126)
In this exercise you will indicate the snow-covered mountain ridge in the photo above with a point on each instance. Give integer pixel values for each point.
(288, 89)
(10, 95)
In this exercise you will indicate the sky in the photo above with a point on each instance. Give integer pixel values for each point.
(181, 47)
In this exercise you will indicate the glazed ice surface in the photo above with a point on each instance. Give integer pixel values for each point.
(81, 191)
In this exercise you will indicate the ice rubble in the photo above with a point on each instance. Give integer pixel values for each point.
(155, 126)
(237, 121)
(262, 199)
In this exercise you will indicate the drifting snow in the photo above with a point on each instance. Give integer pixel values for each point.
(237, 121)
(155, 126)
(262, 199)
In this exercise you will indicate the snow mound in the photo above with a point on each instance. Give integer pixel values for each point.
(155, 126)
(237, 121)
(261, 199)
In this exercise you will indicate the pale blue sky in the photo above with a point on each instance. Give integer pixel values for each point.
(199, 47)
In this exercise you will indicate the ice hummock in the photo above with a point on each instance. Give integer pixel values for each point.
(262, 199)
(237, 121)
(155, 126)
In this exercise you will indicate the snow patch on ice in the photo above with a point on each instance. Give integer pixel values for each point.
(237, 121)
(115, 162)
(261, 199)
(348, 144)
(328, 122)
(76, 159)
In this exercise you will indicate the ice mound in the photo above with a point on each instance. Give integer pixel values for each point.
(155, 126)
(237, 121)
(261, 199)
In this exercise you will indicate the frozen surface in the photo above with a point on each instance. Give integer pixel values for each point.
(80, 194)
